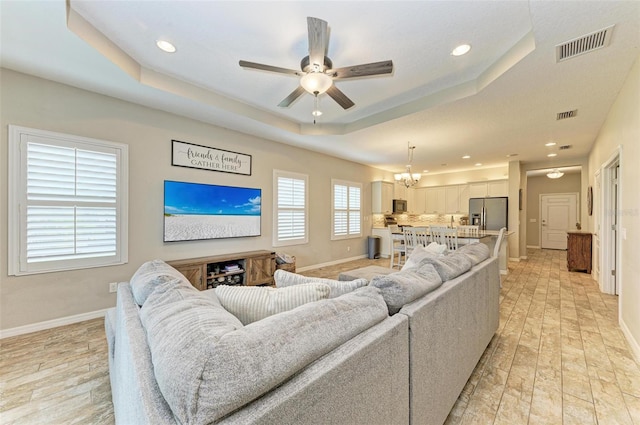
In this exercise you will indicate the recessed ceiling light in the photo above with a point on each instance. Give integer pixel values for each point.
(165, 46)
(466, 157)
(461, 50)
(550, 144)
(425, 171)
(477, 164)
(511, 154)
(552, 155)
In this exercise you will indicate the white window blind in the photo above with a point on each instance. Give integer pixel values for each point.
(69, 196)
(290, 215)
(347, 211)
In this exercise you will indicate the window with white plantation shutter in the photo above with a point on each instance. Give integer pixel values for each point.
(346, 211)
(290, 208)
(68, 197)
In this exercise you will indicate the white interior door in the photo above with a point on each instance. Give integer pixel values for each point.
(559, 213)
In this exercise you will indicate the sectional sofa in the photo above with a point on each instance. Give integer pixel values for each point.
(395, 350)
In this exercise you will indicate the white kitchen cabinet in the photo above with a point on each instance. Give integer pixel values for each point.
(381, 197)
(491, 188)
(400, 191)
(435, 200)
(478, 190)
(498, 188)
(451, 199)
(456, 199)
(464, 198)
(419, 202)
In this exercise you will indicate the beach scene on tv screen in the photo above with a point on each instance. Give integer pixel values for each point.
(195, 211)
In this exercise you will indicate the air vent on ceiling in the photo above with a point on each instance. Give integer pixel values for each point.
(585, 44)
(566, 114)
(564, 147)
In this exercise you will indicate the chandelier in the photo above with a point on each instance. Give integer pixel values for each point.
(408, 178)
(555, 174)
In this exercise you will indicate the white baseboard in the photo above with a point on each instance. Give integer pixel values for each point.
(516, 259)
(524, 257)
(533, 246)
(49, 324)
(330, 263)
(633, 344)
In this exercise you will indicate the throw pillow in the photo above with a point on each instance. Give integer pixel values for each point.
(437, 248)
(418, 254)
(284, 278)
(402, 287)
(149, 275)
(476, 251)
(252, 303)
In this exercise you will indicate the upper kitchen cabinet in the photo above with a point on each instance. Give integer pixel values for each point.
(489, 189)
(456, 199)
(418, 202)
(478, 190)
(464, 198)
(382, 197)
(435, 200)
(400, 192)
(498, 188)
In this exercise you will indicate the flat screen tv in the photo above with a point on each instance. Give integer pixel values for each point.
(196, 211)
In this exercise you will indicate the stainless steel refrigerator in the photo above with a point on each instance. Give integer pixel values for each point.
(489, 213)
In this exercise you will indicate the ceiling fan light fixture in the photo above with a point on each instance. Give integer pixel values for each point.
(165, 46)
(462, 49)
(316, 82)
(555, 174)
(316, 112)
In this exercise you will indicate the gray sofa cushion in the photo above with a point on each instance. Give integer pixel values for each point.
(149, 275)
(402, 287)
(476, 251)
(253, 303)
(284, 278)
(449, 266)
(205, 372)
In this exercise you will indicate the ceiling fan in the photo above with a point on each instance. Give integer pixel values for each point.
(317, 72)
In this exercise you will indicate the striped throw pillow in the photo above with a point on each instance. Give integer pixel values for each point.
(252, 303)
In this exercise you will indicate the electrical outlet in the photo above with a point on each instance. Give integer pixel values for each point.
(113, 286)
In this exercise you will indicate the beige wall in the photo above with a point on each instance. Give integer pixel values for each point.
(622, 128)
(569, 183)
(37, 103)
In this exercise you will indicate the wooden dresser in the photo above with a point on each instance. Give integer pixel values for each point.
(579, 251)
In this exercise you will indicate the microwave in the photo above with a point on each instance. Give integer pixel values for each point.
(399, 206)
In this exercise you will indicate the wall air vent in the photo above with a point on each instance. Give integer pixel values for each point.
(566, 114)
(564, 147)
(585, 44)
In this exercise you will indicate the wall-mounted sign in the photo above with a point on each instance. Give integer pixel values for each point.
(206, 158)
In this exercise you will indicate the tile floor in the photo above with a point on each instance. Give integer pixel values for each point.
(559, 357)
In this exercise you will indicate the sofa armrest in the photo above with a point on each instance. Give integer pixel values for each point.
(449, 329)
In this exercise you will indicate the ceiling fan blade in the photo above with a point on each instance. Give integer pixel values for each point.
(293, 96)
(318, 40)
(269, 68)
(339, 97)
(374, 68)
